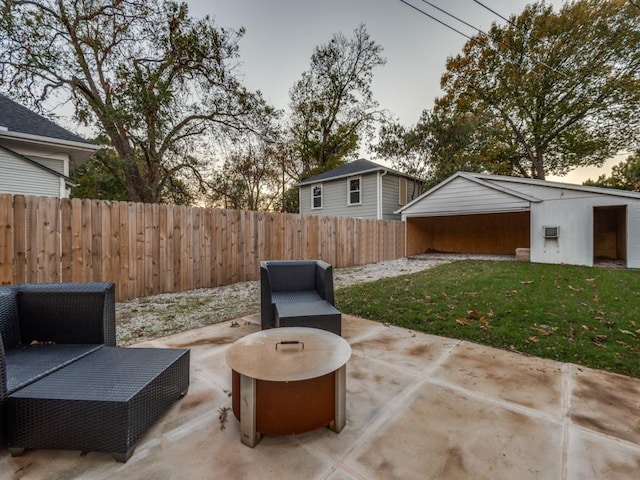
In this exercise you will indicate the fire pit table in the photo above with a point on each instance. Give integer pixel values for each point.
(287, 381)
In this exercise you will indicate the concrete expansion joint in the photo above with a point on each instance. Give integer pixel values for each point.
(369, 333)
(393, 410)
(567, 388)
(605, 436)
(490, 399)
(441, 359)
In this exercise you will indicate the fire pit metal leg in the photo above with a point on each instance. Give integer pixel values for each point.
(341, 400)
(248, 433)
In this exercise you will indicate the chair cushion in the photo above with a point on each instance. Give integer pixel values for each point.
(9, 325)
(28, 363)
(292, 276)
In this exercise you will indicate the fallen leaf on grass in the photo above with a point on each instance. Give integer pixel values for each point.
(599, 340)
(463, 321)
(575, 289)
(526, 282)
(589, 327)
(633, 324)
(473, 315)
(532, 340)
(627, 332)
(545, 330)
(589, 280)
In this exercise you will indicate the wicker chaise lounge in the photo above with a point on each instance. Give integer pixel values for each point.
(63, 382)
(298, 293)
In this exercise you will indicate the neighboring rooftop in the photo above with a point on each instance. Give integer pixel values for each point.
(357, 167)
(16, 118)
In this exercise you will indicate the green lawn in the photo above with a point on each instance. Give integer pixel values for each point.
(588, 316)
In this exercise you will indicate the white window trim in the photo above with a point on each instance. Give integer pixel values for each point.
(359, 178)
(313, 207)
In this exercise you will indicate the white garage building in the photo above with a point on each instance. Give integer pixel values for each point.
(558, 222)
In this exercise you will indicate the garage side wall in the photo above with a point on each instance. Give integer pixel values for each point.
(633, 235)
(574, 244)
(574, 216)
(496, 233)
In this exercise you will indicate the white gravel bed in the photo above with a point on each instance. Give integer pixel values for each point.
(151, 317)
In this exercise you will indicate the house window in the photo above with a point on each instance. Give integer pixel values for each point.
(316, 196)
(354, 186)
(402, 191)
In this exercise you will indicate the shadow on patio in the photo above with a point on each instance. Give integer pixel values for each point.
(418, 406)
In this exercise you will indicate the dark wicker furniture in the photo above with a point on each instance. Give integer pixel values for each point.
(298, 293)
(64, 383)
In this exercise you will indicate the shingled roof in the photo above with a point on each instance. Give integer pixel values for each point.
(357, 167)
(16, 118)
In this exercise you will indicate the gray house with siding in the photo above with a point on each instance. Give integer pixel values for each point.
(36, 155)
(361, 188)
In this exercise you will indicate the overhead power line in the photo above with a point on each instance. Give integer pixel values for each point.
(451, 15)
(436, 19)
(480, 31)
(494, 12)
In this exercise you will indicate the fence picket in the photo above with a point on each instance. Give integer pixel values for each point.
(6, 239)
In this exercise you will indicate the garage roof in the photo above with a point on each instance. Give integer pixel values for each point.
(466, 192)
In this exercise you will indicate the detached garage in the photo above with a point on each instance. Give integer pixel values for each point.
(558, 222)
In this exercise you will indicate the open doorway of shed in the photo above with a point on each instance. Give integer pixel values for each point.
(493, 233)
(610, 235)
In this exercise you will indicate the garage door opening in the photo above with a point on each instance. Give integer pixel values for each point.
(494, 233)
(610, 234)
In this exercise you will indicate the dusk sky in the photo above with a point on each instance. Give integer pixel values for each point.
(281, 35)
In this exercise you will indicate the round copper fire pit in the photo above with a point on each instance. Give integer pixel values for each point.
(288, 381)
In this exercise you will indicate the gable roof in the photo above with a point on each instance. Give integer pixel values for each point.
(19, 124)
(357, 167)
(17, 118)
(489, 182)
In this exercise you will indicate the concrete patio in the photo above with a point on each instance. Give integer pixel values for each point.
(418, 406)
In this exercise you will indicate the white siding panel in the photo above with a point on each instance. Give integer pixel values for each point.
(18, 176)
(391, 196)
(462, 196)
(54, 164)
(633, 235)
(304, 206)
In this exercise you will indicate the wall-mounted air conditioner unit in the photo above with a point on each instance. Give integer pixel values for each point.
(551, 232)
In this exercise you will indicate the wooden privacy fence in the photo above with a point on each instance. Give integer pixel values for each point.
(148, 249)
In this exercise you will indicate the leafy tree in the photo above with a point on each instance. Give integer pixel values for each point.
(332, 105)
(250, 178)
(624, 176)
(431, 150)
(96, 181)
(143, 73)
(555, 91)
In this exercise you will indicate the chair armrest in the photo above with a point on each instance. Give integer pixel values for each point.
(3, 381)
(3, 397)
(324, 281)
(267, 316)
(67, 313)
